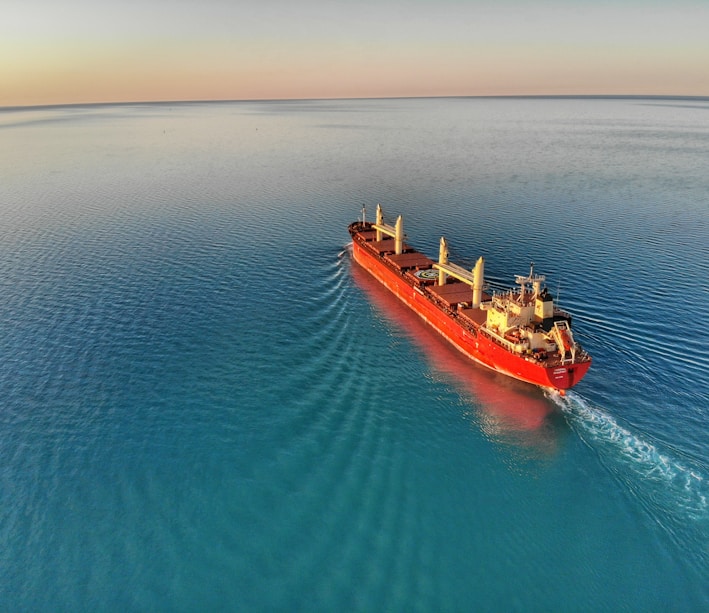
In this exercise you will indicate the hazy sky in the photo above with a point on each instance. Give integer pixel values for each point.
(64, 51)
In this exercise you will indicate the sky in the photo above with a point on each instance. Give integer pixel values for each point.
(86, 51)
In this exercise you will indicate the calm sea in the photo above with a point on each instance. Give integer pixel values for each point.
(206, 405)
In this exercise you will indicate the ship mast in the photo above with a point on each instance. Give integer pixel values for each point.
(531, 279)
(474, 278)
(442, 259)
(396, 231)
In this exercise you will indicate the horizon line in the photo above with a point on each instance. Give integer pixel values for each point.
(363, 98)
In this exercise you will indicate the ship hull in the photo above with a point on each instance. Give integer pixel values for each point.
(475, 345)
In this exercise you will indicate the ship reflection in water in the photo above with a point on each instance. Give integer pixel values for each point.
(506, 410)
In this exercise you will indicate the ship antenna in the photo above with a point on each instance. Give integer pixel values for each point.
(364, 213)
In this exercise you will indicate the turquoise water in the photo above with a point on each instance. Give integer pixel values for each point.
(206, 405)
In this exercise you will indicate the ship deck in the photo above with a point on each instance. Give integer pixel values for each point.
(412, 259)
(475, 317)
(454, 294)
(387, 246)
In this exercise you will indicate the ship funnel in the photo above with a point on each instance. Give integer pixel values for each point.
(537, 287)
(442, 259)
(478, 280)
(399, 235)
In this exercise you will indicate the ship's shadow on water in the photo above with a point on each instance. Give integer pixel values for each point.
(509, 412)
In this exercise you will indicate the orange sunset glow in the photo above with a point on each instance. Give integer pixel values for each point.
(56, 53)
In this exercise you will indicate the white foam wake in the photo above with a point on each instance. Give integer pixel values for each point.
(660, 479)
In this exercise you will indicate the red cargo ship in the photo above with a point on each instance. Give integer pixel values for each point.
(519, 332)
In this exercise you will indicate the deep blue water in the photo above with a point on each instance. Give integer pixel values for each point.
(205, 405)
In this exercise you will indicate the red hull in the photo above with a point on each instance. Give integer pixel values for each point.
(476, 346)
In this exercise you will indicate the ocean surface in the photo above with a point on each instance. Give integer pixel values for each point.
(206, 405)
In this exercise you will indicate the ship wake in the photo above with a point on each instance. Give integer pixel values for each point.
(673, 490)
